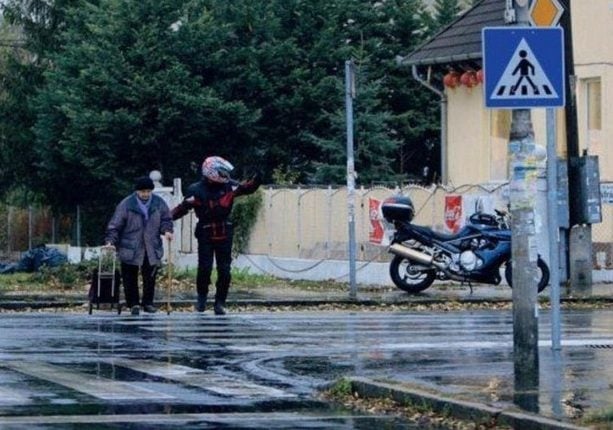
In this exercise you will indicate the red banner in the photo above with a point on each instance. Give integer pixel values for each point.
(453, 212)
(375, 232)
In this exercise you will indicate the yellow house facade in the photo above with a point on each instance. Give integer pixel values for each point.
(475, 139)
(593, 54)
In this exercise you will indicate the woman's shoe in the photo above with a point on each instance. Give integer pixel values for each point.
(150, 309)
(135, 310)
(201, 304)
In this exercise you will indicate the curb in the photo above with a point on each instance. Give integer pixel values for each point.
(465, 410)
(23, 302)
(36, 302)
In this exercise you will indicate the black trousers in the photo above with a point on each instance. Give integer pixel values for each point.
(129, 274)
(222, 252)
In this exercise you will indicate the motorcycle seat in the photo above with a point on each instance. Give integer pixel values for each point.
(441, 236)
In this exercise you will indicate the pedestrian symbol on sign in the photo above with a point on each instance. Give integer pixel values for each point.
(523, 77)
(525, 69)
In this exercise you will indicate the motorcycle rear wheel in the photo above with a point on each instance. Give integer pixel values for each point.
(409, 276)
(542, 267)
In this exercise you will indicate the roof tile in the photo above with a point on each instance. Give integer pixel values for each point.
(460, 40)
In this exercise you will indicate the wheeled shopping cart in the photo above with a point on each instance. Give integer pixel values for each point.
(105, 281)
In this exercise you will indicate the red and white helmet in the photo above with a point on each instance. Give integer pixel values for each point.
(217, 169)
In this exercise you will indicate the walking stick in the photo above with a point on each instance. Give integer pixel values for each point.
(169, 284)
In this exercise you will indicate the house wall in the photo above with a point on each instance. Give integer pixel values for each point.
(600, 143)
(468, 154)
(471, 136)
(593, 54)
(477, 137)
(592, 25)
(476, 144)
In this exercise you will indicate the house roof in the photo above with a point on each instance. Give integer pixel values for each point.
(461, 40)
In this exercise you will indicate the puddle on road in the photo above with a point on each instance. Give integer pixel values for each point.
(268, 415)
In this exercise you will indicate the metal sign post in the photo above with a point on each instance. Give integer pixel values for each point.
(553, 228)
(349, 95)
(524, 69)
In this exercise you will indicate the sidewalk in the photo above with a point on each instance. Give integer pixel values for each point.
(321, 293)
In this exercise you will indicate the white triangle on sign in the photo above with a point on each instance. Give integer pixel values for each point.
(523, 77)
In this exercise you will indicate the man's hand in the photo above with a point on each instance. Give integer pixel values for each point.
(256, 177)
(168, 236)
(254, 180)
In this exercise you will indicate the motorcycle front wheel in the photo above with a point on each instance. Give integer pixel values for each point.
(409, 276)
(542, 267)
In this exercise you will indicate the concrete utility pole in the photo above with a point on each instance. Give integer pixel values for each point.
(523, 191)
(349, 96)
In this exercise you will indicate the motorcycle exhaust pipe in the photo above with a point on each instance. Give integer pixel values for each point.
(411, 254)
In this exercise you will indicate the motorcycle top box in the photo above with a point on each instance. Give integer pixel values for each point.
(398, 208)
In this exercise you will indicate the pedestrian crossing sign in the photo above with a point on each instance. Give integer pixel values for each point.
(523, 67)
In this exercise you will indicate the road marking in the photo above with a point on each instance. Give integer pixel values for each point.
(102, 388)
(12, 397)
(228, 418)
(215, 382)
(471, 345)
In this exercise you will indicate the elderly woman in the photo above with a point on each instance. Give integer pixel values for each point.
(134, 230)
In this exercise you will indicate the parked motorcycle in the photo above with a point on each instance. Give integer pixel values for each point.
(476, 253)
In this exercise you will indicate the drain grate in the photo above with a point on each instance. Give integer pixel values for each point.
(600, 346)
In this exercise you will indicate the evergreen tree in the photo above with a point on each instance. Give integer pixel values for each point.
(36, 24)
(119, 102)
(447, 11)
(159, 84)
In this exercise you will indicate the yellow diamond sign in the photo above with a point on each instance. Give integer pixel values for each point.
(545, 13)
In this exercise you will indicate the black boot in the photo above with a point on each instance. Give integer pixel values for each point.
(201, 304)
(219, 308)
(221, 294)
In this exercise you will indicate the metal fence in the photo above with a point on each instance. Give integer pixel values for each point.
(25, 228)
(312, 222)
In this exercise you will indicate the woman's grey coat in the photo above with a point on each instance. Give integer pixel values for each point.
(131, 236)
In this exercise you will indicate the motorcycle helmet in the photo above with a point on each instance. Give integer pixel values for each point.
(217, 169)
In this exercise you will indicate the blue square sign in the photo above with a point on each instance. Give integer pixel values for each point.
(523, 67)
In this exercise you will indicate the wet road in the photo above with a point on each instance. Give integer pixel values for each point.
(261, 370)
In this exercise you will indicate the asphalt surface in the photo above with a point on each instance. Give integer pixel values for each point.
(264, 368)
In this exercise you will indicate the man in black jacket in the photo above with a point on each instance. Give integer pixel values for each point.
(212, 199)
